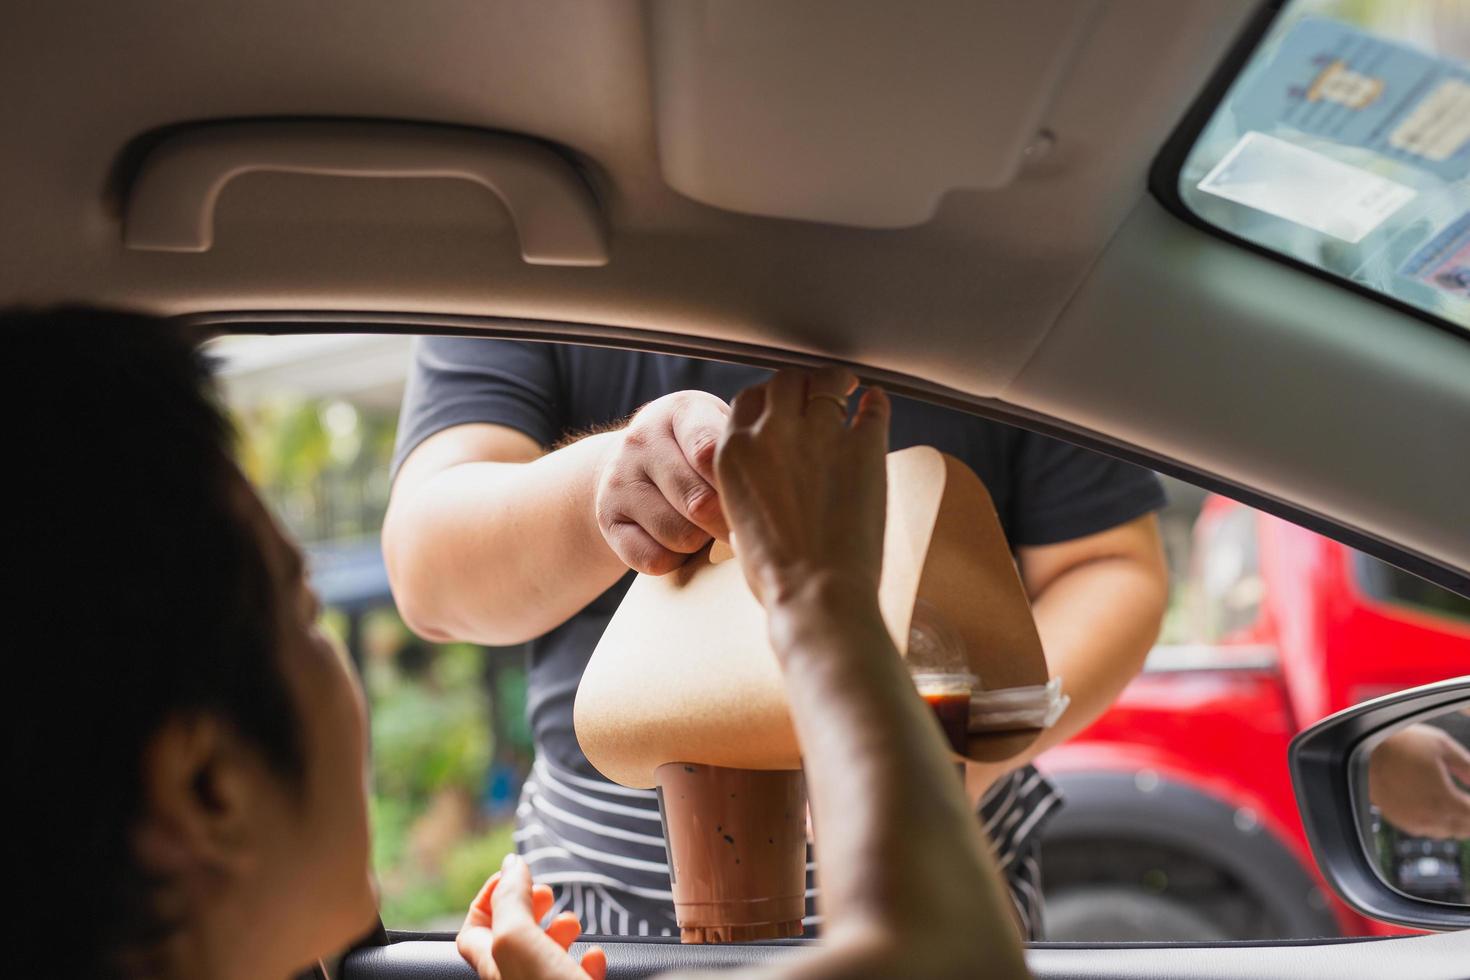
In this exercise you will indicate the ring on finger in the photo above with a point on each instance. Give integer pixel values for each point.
(829, 396)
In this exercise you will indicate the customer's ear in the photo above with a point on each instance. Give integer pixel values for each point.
(200, 797)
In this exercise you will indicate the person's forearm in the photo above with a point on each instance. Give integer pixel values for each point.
(1097, 623)
(899, 849)
(499, 553)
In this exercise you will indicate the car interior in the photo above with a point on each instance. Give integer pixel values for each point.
(1023, 211)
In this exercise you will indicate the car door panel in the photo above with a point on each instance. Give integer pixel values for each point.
(1438, 957)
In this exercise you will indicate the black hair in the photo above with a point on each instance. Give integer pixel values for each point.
(139, 592)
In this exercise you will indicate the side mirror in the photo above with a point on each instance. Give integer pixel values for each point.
(1384, 792)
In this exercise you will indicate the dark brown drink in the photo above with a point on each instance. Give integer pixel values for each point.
(948, 694)
(953, 712)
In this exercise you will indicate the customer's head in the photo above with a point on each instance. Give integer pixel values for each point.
(187, 749)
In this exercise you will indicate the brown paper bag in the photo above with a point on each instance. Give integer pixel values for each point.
(684, 671)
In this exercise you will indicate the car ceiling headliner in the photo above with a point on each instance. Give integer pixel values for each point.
(1002, 295)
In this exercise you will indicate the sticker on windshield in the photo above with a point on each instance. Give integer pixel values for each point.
(1305, 187)
(1444, 261)
(1335, 82)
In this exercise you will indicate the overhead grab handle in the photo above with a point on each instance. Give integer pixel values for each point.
(170, 206)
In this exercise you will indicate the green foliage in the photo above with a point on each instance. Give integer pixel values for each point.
(322, 463)
(427, 740)
(474, 860)
(437, 899)
(510, 703)
(283, 443)
(391, 820)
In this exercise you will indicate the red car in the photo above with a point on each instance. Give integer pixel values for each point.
(1180, 821)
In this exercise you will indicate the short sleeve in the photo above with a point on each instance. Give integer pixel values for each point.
(1061, 492)
(461, 380)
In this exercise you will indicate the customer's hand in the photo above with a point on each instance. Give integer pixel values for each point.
(502, 940)
(1412, 778)
(804, 488)
(656, 502)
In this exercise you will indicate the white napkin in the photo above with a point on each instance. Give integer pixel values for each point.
(1015, 708)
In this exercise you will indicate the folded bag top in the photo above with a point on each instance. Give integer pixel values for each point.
(685, 673)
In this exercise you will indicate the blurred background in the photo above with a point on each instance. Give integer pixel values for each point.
(1179, 822)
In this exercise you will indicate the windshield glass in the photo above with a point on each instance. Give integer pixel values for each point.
(1345, 143)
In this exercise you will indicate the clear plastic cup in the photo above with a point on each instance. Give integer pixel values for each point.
(937, 662)
(737, 851)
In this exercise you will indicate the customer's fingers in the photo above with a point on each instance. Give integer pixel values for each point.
(870, 422)
(542, 899)
(565, 929)
(520, 948)
(480, 904)
(785, 394)
(510, 901)
(594, 962)
(475, 937)
(474, 946)
(827, 391)
(826, 411)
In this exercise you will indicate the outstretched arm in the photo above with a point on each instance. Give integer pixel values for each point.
(908, 886)
(491, 539)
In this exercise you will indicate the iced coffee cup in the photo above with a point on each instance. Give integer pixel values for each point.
(937, 663)
(737, 851)
(948, 694)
